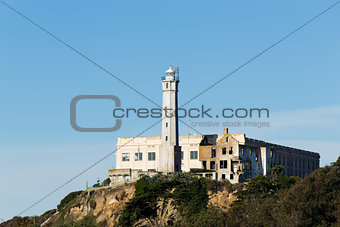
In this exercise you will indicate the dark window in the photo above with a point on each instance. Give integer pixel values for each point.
(227, 139)
(126, 157)
(204, 163)
(166, 138)
(193, 154)
(138, 156)
(166, 124)
(182, 155)
(167, 85)
(152, 156)
(223, 164)
(224, 150)
(242, 149)
(223, 176)
(231, 150)
(154, 170)
(213, 152)
(212, 164)
(231, 176)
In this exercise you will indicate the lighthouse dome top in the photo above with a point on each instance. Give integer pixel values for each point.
(171, 74)
(170, 70)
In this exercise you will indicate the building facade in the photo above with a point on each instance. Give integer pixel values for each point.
(234, 157)
(219, 156)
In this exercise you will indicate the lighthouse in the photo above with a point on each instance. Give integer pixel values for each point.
(170, 152)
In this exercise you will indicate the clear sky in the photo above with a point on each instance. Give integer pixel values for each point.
(298, 81)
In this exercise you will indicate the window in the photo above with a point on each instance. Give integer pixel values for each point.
(223, 164)
(242, 149)
(271, 154)
(250, 151)
(223, 176)
(212, 164)
(231, 150)
(166, 124)
(193, 154)
(167, 85)
(152, 170)
(138, 156)
(231, 176)
(213, 152)
(182, 155)
(204, 163)
(224, 150)
(126, 157)
(166, 138)
(152, 156)
(227, 139)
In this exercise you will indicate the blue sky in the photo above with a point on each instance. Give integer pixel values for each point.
(298, 81)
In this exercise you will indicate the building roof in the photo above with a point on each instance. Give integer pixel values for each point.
(261, 143)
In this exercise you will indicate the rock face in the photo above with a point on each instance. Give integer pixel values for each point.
(222, 199)
(105, 205)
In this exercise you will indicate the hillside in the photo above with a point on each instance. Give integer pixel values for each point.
(184, 200)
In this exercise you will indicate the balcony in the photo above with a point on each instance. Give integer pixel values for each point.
(176, 78)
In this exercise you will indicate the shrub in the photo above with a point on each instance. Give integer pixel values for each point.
(71, 196)
(189, 196)
(201, 170)
(106, 182)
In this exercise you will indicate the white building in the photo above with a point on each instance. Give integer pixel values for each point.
(220, 156)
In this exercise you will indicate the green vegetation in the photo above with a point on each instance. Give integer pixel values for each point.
(201, 170)
(287, 201)
(106, 182)
(273, 200)
(211, 217)
(217, 186)
(188, 194)
(71, 196)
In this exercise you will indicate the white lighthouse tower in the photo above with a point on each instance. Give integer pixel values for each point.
(170, 152)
